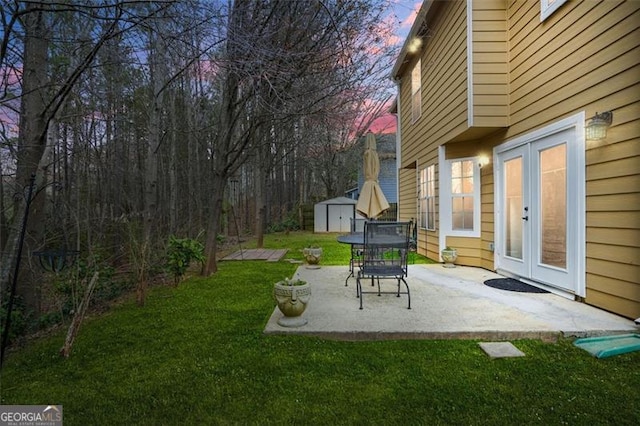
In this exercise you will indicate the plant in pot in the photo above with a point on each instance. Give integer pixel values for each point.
(292, 297)
(312, 255)
(449, 256)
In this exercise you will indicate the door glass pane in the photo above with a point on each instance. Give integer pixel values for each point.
(513, 207)
(553, 199)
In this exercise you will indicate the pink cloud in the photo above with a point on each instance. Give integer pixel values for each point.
(384, 124)
(10, 79)
(402, 17)
(411, 18)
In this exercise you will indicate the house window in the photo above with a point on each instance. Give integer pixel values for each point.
(427, 198)
(460, 183)
(416, 99)
(547, 7)
(462, 195)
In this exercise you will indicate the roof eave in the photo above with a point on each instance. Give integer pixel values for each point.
(405, 54)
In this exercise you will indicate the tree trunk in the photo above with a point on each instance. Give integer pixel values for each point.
(173, 178)
(3, 218)
(261, 205)
(78, 317)
(158, 76)
(32, 134)
(210, 266)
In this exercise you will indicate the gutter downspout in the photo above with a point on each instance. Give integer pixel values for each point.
(398, 147)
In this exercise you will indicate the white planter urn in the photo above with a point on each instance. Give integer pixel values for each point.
(292, 297)
(449, 256)
(312, 255)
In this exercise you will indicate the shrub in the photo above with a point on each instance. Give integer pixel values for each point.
(289, 223)
(70, 285)
(180, 253)
(19, 321)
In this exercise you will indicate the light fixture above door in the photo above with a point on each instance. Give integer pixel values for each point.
(596, 129)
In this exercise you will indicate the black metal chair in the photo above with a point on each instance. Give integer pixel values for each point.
(385, 256)
(357, 226)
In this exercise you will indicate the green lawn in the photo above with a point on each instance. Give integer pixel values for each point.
(196, 355)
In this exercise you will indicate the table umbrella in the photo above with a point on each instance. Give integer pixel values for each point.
(371, 202)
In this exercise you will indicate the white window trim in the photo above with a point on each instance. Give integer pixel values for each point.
(423, 196)
(446, 226)
(547, 8)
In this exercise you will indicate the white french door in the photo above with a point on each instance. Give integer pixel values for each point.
(513, 252)
(539, 233)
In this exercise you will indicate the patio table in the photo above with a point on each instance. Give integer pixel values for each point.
(357, 238)
(356, 241)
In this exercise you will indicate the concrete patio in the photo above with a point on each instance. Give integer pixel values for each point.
(445, 304)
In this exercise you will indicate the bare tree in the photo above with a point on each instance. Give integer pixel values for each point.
(284, 61)
(43, 94)
(148, 110)
(39, 105)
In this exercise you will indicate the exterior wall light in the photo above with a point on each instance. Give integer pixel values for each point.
(415, 44)
(596, 130)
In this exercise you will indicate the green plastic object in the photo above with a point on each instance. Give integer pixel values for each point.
(607, 346)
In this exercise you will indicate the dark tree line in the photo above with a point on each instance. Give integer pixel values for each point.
(175, 117)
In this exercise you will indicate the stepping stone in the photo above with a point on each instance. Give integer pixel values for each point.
(500, 350)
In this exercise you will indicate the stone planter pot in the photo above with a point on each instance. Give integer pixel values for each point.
(449, 256)
(292, 301)
(312, 255)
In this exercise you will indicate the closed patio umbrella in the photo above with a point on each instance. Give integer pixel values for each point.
(371, 202)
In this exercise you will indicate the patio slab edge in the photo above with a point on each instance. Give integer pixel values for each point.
(353, 336)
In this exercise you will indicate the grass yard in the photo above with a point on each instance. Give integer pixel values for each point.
(196, 355)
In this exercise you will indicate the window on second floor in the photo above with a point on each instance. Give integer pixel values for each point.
(427, 198)
(547, 7)
(416, 89)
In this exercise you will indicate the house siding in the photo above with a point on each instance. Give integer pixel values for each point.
(407, 207)
(490, 65)
(487, 236)
(584, 57)
(444, 107)
(444, 85)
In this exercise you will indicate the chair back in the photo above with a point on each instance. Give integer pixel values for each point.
(386, 247)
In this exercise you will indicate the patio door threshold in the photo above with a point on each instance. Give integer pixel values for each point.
(557, 291)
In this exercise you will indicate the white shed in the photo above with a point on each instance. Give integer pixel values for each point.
(335, 215)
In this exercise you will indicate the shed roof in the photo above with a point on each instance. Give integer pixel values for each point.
(339, 200)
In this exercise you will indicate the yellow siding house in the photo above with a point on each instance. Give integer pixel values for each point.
(519, 141)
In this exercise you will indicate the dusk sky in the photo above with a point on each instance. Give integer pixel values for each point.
(404, 12)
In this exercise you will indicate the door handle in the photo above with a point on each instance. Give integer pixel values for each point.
(525, 217)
